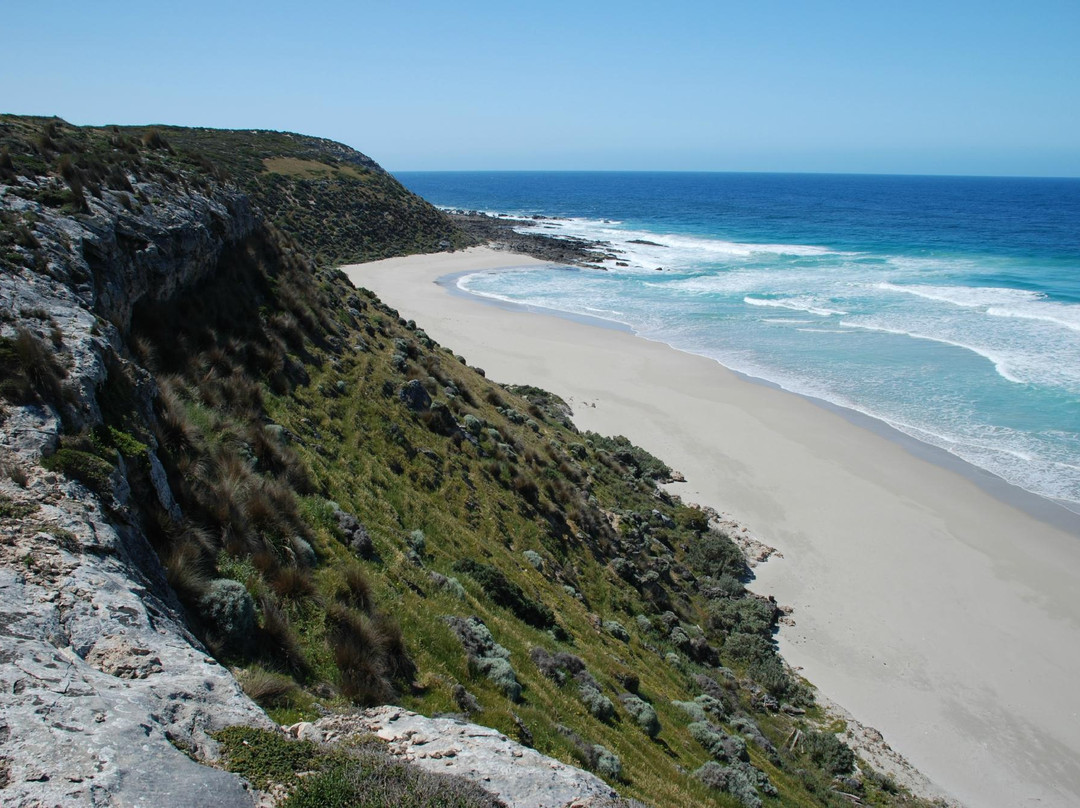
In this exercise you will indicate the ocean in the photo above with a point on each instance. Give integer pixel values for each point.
(947, 307)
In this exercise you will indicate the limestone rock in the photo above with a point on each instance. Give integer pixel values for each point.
(516, 774)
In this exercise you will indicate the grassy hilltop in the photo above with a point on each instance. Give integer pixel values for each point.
(368, 519)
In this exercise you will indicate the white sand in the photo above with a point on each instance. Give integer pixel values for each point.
(945, 617)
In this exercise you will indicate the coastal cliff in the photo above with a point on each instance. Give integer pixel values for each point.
(239, 493)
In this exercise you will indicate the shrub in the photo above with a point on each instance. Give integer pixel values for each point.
(417, 542)
(723, 747)
(450, 585)
(734, 780)
(501, 672)
(599, 705)
(504, 592)
(87, 468)
(560, 666)
(749, 615)
(829, 752)
(748, 647)
(534, 559)
(713, 706)
(714, 554)
(617, 630)
(642, 464)
(485, 655)
(607, 763)
(228, 607)
(694, 711)
(643, 713)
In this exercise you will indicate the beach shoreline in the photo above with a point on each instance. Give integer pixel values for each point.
(924, 604)
(1062, 515)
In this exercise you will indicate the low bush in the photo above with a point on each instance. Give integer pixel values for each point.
(643, 713)
(829, 752)
(715, 555)
(504, 592)
(87, 468)
(486, 656)
(599, 705)
(230, 612)
(740, 780)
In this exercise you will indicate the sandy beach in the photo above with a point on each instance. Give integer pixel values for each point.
(932, 609)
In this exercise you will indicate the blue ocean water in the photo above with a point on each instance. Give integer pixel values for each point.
(948, 307)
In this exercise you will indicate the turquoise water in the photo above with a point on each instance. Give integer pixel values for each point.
(946, 307)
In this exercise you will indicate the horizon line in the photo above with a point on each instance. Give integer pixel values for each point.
(726, 171)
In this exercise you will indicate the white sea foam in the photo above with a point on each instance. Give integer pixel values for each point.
(1000, 363)
(997, 302)
(794, 303)
(647, 250)
(719, 299)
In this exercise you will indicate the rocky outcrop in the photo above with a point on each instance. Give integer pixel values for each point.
(516, 774)
(105, 696)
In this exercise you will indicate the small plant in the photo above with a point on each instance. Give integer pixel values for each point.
(507, 594)
(607, 763)
(740, 780)
(485, 655)
(829, 752)
(599, 705)
(643, 713)
(87, 468)
(359, 653)
(230, 611)
(9, 509)
(268, 689)
(264, 757)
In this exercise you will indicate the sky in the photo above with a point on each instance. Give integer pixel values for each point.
(945, 87)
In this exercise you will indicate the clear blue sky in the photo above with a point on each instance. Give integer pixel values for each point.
(863, 86)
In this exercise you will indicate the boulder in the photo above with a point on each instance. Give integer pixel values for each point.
(516, 774)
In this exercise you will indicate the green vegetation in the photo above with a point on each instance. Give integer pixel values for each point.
(338, 204)
(15, 510)
(331, 464)
(360, 776)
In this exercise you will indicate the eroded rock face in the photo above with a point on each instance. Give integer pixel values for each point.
(519, 776)
(105, 697)
(101, 686)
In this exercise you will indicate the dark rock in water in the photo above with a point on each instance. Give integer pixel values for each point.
(503, 232)
(414, 396)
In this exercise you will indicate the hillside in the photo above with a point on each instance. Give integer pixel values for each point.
(216, 450)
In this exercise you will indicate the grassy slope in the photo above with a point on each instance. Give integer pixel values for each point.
(269, 342)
